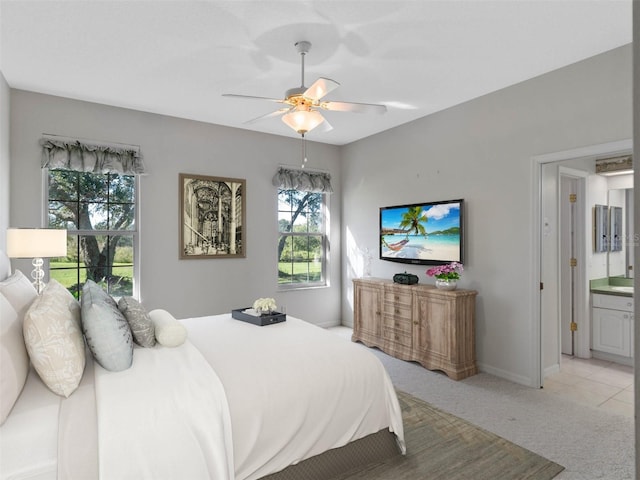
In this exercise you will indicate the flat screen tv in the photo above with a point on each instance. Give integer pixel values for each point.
(423, 233)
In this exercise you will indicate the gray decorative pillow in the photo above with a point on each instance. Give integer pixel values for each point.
(139, 321)
(106, 330)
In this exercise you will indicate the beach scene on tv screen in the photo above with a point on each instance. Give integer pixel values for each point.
(423, 232)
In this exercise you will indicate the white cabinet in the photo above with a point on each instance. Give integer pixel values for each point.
(612, 325)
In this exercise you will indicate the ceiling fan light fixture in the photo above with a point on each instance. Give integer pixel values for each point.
(303, 121)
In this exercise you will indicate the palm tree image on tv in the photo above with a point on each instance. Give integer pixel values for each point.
(421, 232)
(413, 219)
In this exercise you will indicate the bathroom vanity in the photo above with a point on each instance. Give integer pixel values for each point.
(612, 324)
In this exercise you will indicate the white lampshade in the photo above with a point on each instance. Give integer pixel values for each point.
(303, 121)
(36, 242)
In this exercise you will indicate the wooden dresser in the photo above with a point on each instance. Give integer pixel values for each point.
(435, 328)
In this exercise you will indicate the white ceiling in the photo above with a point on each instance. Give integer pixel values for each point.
(178, 57)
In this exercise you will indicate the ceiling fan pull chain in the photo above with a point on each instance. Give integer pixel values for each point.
(304, 151)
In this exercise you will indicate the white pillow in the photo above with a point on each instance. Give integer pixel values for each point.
(19, 291)
(169, 331)
(54, 339)
(5, 266)
(14, 361)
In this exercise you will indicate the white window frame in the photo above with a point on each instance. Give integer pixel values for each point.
(135, 233)
(324, 233)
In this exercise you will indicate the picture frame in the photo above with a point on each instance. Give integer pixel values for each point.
(212, 217)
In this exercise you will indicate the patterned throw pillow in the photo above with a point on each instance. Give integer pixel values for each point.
(141, 325)
(105, 328)
(54, 340)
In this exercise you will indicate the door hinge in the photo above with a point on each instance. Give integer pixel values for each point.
(573, 198)
(541, 286)
(573, 327)
(573, 262)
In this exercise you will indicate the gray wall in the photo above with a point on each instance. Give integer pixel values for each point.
(4, 159)
(171, 146)
(482, 151)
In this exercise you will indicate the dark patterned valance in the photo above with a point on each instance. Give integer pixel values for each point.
(86, 157)
(303, 180)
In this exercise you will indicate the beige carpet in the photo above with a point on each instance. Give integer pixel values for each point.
(441, 446)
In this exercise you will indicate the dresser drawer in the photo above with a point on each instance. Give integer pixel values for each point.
(397, 310)
(397, 336)
(612, 302)
(397, 295)
(397, 323)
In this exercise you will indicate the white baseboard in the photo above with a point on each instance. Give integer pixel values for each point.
(611, 357)
(498, 372)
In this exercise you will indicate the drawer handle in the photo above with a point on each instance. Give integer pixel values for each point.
(415, 322)
(629, 304)
(396, 298)
(397, 311)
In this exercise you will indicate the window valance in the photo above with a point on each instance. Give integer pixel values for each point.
(86, 157)
(303, 180)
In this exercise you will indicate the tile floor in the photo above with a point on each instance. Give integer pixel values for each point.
(593, 382)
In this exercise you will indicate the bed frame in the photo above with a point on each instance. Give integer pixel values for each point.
(340, 462)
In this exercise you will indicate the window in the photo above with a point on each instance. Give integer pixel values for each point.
(99, 211)
(302, 239)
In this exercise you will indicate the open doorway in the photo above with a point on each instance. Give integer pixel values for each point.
(563, 295)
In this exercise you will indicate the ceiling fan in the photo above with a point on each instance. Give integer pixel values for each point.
(302, 103)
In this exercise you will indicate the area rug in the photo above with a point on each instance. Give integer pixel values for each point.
(441, 446)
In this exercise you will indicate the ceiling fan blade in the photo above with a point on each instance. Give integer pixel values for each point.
(268, 115)
(252, 97)
(320, 88)
(353, 107)
(325, 126)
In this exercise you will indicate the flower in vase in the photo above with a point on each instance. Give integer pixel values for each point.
(450, 271)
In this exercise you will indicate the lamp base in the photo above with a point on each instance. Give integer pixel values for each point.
(38, 274)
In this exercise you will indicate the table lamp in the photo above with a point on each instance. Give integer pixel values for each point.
(36, 243)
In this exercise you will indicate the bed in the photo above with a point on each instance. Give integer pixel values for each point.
(233, 401)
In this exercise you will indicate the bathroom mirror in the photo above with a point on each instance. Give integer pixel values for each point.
(601, 228)
(621, 233)
(615, 229)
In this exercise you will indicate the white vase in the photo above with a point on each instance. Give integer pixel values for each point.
(444, 284)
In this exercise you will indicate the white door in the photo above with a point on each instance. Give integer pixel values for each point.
(568, 263)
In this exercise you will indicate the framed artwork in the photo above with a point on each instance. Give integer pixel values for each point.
(212, 217)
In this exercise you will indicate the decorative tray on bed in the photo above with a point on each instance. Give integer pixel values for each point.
(261, 320)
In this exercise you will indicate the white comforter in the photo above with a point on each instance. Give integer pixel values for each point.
(165, 418)
(294, 390)
(289, 391)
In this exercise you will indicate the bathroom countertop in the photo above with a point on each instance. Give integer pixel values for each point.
(608, 286)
